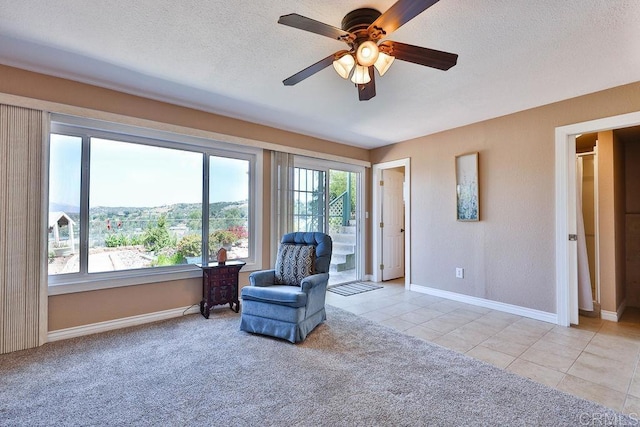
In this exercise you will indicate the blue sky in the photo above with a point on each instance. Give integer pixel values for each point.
(64, 170)
(134, 175)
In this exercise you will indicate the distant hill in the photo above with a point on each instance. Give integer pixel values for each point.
(127, 219)
(131, 220)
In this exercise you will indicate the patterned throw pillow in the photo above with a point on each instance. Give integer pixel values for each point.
(294, 263)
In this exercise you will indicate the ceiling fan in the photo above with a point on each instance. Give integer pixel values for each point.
(363, 31)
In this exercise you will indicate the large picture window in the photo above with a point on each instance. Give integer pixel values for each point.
(129, 205)
(141, 202)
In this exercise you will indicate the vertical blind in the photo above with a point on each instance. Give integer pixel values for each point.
(282, 199)
(22, 261)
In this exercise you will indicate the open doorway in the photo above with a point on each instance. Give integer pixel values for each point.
(392, 221)
(622, 287)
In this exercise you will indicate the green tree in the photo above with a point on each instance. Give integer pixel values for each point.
(157, 237)
(234, 217)
(195, 220)
(190, 245)
(338, 185)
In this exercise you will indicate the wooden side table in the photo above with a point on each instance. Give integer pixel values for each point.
(220, 285)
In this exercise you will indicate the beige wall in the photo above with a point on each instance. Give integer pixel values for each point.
(107, 304)
(95, 306)
(509, 256)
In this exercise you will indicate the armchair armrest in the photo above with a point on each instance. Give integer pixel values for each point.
(314, 280)
(262, 278)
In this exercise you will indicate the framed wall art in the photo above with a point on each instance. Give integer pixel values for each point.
(468, 202)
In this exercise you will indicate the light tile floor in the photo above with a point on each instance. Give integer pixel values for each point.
(597, 360)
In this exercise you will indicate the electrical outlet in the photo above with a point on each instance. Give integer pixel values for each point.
(459, 273)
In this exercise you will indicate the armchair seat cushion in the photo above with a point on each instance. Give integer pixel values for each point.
(286, 295)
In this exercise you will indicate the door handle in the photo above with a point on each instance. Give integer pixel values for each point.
(402, 230)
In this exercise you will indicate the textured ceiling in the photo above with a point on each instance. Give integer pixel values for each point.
(230, 57)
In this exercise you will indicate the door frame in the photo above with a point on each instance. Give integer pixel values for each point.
(565, 198)
(377, 215)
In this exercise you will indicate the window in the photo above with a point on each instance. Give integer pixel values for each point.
(65, 161)
(142, 201)
(125, 205)
(228, 206)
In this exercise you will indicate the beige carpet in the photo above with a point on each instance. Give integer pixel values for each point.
(349, 371)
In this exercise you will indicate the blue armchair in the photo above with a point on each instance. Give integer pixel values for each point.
(288, 301)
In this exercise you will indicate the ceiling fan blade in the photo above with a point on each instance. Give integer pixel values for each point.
(307, 24)
(367, 90)
(309, 71)
(396, 16)
(419, 55)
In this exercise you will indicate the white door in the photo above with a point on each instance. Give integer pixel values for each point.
(392, 224)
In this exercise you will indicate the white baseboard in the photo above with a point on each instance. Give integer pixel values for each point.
(494, 305)
(109, 325)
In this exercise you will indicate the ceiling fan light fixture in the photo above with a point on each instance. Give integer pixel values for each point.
(344, 65)
(367, 53)
(383, 63)
(361, 75)
(362, 29)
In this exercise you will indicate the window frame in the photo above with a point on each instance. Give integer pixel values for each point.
(90, 128)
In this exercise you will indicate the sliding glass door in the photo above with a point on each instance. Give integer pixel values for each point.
(327, 198)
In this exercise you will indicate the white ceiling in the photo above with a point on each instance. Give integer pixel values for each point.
(230, 57)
